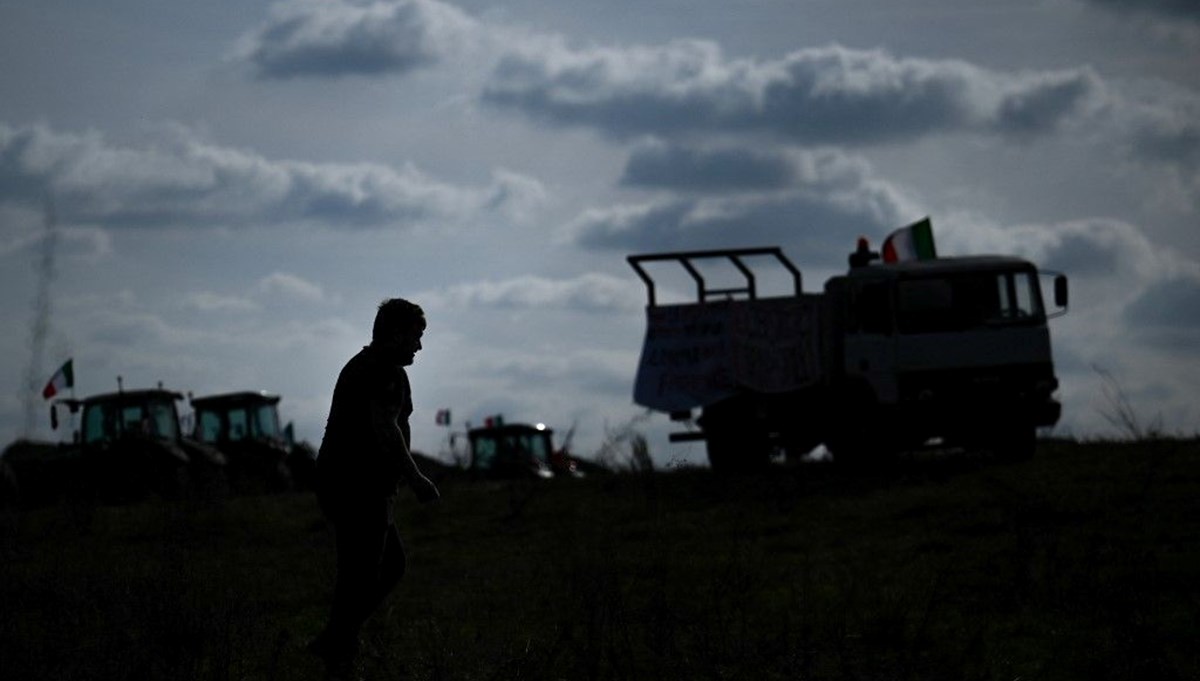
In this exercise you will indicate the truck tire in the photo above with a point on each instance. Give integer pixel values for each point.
(861, 431)
(856, 451)
(737, 442)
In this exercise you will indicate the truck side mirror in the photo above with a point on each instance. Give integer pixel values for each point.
(1060, 290)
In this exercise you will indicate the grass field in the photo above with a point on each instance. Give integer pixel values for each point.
(1081, 564)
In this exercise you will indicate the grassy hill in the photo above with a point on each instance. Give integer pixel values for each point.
(1081, 564)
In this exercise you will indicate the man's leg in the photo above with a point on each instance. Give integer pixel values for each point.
(362, 534)
(391, 568)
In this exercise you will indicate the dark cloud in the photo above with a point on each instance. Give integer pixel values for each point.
(1178, 144)
(1171, 304)
(1041, 107)
(819, 229)
(669, 166)
(339, 38)
(1083, 254)
(1097, 249)
(1172, 9)
(728, 168)
(821, 95)
(195, 183)
(830, 199)
(1163, 125)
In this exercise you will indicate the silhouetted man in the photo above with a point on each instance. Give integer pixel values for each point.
(363, 459)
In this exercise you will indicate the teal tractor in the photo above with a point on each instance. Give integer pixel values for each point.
(129, 445)
(245, 427)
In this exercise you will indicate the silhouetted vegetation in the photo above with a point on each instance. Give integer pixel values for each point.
(1079, 564)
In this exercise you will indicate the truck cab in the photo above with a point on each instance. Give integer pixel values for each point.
(953, 348)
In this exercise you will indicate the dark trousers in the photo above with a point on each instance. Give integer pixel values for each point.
(370, 562)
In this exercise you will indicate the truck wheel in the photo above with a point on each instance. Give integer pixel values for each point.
(855, 451)
(860, 438)
(722, 452)
(730, 452)
(736, 443)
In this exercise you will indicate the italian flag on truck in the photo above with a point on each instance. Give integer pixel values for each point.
(914, 242)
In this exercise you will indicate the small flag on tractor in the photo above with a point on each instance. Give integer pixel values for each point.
(61, 380)
(443, 417)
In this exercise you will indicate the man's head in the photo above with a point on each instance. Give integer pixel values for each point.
(399, 326)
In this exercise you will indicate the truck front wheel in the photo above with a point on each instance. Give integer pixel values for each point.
(862, 435)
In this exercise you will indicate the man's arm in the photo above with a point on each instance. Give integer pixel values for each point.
(385, 424)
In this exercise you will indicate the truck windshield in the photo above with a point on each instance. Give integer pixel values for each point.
(967, 301)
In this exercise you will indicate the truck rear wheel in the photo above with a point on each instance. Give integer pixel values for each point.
(857, 451)
(728, 453)
(737, 442)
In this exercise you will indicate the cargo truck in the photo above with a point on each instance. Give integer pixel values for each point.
(889, 357)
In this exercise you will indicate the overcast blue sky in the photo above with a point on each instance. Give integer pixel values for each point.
(238, 184)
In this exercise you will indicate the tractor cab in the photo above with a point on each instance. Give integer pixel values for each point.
(130, 443)
(245, 426)
(511, 451)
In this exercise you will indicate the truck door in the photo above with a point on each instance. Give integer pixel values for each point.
(870, 338)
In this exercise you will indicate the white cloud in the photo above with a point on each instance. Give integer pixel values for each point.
(194, 183)
(590, 292)
(206, 301)
(291, 287)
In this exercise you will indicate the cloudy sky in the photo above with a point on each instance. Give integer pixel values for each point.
(237, 184)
